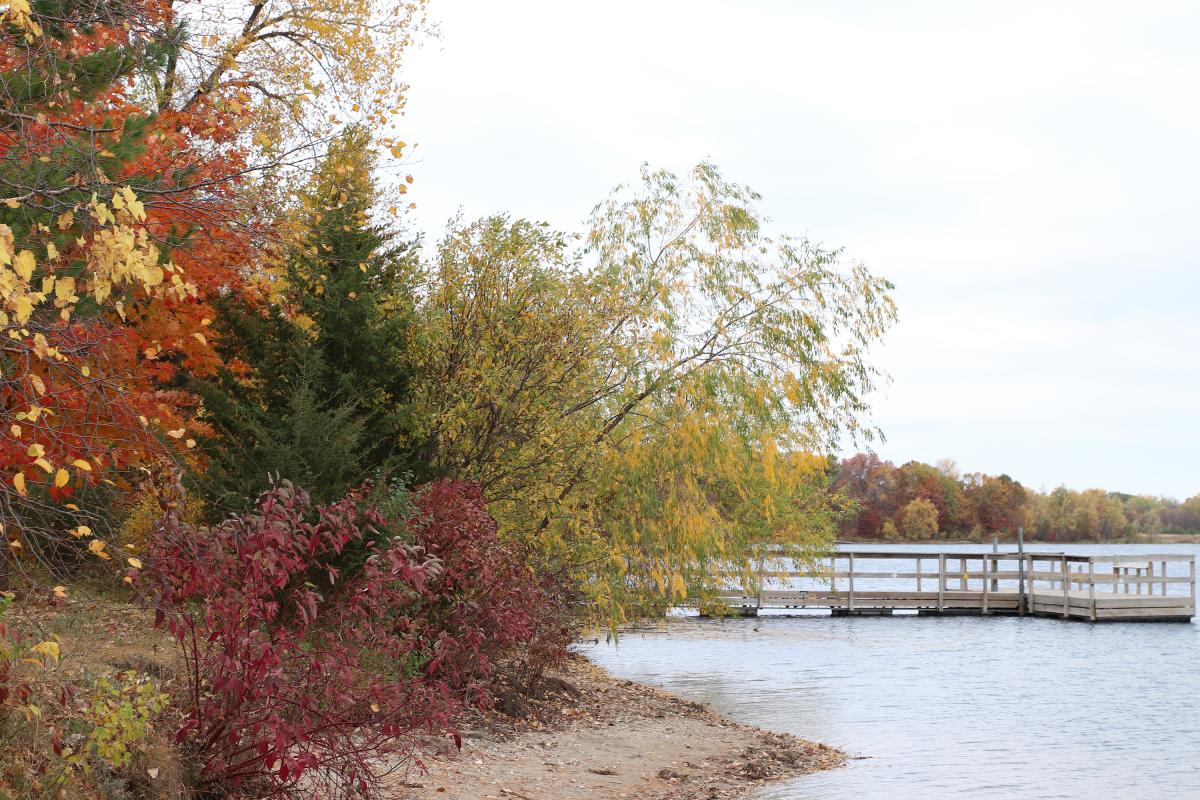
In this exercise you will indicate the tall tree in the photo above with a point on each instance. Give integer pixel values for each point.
(1000, 503)
(918, 520)
(317, 387)
(111, 243)
(873, 485)
(634, 411)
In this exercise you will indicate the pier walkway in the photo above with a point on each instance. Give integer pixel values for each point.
(1151, 587)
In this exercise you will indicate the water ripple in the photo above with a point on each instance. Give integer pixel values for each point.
(950, 707)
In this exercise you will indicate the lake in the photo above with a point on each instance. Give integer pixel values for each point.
(941, 707)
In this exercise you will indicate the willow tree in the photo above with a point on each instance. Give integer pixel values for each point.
(642, 410)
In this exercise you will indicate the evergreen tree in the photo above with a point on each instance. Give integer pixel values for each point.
(352, 282)
(324, 398)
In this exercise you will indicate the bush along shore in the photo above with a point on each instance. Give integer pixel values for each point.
(573, 733)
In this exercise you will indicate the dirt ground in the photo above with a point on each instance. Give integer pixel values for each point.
(610, 739)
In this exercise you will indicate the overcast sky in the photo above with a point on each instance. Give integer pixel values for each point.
(1027, 174)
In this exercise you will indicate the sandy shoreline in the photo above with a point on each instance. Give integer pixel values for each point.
(611, 739)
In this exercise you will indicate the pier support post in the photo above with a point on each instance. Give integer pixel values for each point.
(760, 576)
(850, 569)
(984, 561)
(1066, 586)
(941, 582)
(1021, 571)
(1092, 589)
(1192, 575)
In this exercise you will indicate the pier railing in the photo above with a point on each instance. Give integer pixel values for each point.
(1094, 587)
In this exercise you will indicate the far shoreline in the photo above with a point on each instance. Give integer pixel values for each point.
(1164, 538)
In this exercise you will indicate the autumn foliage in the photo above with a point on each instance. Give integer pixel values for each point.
(205, 282)
(485, 602)
(117, 229)
(917, 501)
(293, 667)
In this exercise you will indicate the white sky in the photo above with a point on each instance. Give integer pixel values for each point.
(1027, 174)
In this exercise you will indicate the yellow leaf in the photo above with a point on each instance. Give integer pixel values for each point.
(79, 463)
(36, 451)
(24, 265)
(19, 482)
(82, 530)
(14, 544)
(199, 337)
(44, 464)
(64, 289)
(375, 707)
(135, 563)
(60, 591)
(96, 546)
(46, 649)
(61, 477)
(15, 429)
(24, 309)
(177, 433)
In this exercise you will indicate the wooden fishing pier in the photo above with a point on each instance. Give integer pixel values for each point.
(1150, 588)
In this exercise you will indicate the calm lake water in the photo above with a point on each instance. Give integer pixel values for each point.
(954, 707)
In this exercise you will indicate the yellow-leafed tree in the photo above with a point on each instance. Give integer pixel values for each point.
(640, 411)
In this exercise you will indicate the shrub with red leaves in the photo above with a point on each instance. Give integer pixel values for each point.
(485, 602)
(299, 679)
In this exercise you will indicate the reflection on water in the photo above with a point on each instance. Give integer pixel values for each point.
(1002, 707)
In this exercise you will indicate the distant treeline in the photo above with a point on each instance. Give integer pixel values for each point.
(918, 501)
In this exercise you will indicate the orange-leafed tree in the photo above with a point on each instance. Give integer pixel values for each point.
(117, 227)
